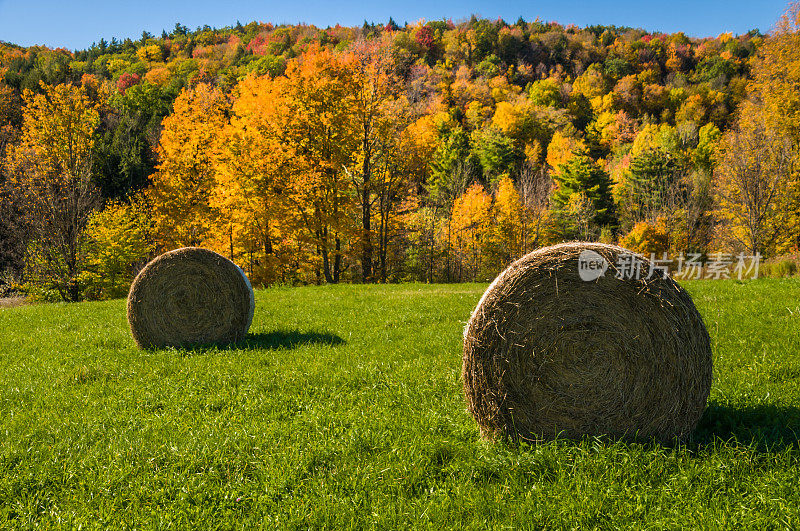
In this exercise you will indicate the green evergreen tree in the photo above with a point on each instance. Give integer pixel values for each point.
(453, 167)
(496, 153)
(652, 175)
(582, 178)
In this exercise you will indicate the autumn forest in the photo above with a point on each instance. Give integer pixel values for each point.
(433, 151)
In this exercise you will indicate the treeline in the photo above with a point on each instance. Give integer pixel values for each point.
(432, 152)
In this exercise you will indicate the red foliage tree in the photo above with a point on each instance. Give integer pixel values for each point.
(126, 81)
(425, 37)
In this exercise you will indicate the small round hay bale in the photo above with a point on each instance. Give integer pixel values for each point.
(551, 351)
(190, 296)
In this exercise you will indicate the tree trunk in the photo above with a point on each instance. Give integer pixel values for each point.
(430, 255)
(337, 261)
(448, 271)
(326, 265)
(384, 241)
(366, 215)
(267, 242)
(317, 272)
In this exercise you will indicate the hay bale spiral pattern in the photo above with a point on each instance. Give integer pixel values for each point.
(190, 296)
(548, 354)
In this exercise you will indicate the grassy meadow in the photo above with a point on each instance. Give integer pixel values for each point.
(344, 410)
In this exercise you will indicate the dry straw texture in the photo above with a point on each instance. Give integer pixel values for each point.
(548, 354)
(190, 296)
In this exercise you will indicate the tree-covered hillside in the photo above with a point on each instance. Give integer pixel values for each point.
(435, 151)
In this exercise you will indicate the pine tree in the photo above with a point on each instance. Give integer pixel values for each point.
(652, 174)
(582, 176)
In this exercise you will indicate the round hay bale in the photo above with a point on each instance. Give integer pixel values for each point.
(190, 296)
(554, 351)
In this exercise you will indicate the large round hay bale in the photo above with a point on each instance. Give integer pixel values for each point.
(551, 351)
(190, 296)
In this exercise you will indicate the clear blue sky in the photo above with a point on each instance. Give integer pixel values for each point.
(76, 24)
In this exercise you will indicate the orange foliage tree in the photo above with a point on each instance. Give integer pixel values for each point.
(253, 173)
(182, 186)
(317, 120)
(376, 117)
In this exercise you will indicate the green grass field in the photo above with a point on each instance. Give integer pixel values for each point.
(344, 409)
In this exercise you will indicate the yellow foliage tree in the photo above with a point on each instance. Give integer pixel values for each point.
(252, 169)
(562, 149)
(118, 240)
(182, 186)
(378, 115)
(50, 169)
(471, 225)
(158, 76)
(317, 118)
(510, 216)
(758, 179)
(405, 164)
(648, 238)
(150, 53)
(754, 186)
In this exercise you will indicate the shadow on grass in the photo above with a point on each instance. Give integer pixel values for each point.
(278, 339)
(287, 339)
(768, 427)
